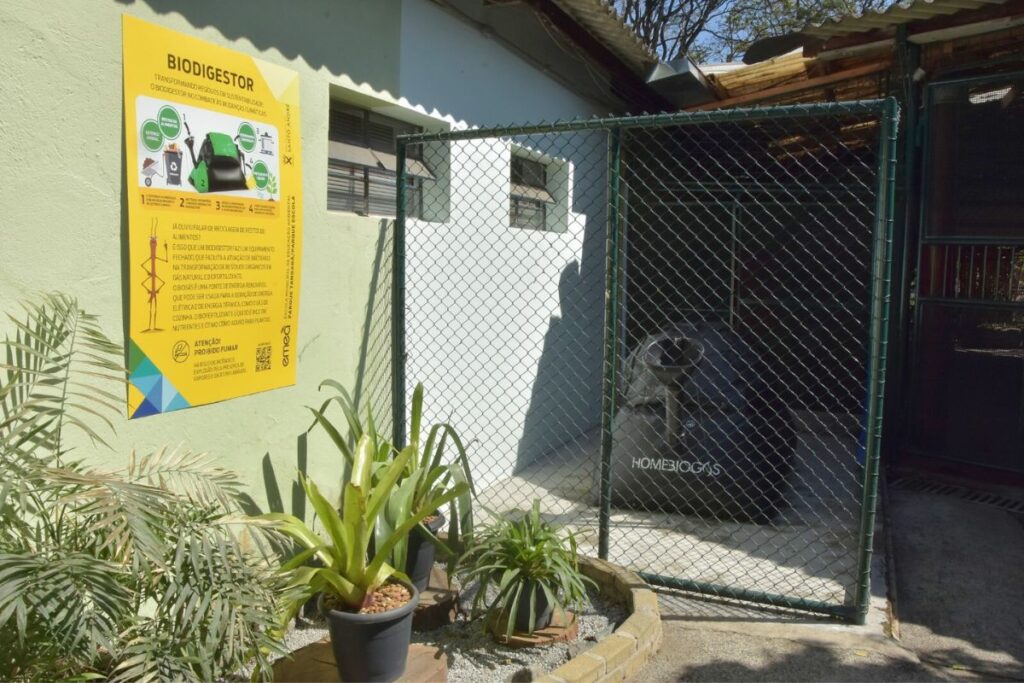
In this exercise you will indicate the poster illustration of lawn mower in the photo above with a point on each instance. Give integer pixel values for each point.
(190, 149)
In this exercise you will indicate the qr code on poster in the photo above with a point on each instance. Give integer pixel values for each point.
(262, 357)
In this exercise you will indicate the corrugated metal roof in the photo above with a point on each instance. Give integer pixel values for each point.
(601, 20)
(899, 13)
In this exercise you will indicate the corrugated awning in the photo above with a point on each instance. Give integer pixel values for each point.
(364, 156)
(413, 167)
(899, 13)
(537, 194)
(599, 18)
(352, 154)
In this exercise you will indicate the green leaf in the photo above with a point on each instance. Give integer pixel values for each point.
(416, 416)
(333, 433)
(341, 536)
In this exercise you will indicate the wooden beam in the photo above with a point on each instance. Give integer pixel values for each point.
(795, 87)
(857, 50)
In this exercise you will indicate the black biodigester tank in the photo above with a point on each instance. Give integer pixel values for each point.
(700, 429)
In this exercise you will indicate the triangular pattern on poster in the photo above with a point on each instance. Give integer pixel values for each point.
(156, 394)
(160, 395)
(145, 384)
(145, 408)
(177, 403)
(167, 395)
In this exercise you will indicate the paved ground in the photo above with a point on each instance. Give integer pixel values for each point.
(716, 641)
(959, 577)
(959, 569)
(702, 652)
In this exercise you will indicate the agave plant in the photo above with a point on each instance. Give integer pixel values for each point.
(350, 571)
(426, 476)
(522, 563)
(132, 575)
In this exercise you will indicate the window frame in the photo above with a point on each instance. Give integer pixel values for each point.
(528, 193)
(359, 171)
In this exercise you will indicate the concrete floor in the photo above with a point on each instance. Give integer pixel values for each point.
(736, 651)
(958, 570)
(809, 550)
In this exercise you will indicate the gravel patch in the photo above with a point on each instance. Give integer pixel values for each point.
(306, 632)
(299, 635)
(474, 657)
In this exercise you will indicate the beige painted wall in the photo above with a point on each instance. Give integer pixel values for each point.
(61, 181)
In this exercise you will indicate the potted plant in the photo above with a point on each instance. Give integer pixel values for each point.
(426, 476)
(368, 603)
(529, 567)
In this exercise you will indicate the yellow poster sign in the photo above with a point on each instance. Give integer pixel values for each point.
(214, 181)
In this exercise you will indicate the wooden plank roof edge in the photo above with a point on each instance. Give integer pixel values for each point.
(810, 83)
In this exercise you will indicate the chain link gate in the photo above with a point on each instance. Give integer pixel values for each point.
(669, 329)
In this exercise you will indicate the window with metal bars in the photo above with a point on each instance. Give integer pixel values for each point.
(528, 194)
(362, 166)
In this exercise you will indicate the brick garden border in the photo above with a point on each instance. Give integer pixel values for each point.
(622, 654)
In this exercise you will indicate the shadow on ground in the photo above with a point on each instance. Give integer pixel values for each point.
(959, 569)
(714, 655)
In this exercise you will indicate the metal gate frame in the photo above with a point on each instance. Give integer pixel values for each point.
(879, 311)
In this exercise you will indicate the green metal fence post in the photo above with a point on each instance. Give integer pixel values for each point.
(881, 292)
(398, 305)
(908, 60)
(611, 336)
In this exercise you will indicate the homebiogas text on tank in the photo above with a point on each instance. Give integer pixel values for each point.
(712, 469)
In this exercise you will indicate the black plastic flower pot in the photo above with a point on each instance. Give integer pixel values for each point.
(372, 647)
(420, 558)
(542, 611)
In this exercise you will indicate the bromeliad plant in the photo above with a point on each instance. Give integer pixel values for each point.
(427, 475)
(523, 564)
(349, 570)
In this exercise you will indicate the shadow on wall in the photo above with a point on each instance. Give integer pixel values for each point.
(272, 489)
(372, 386)
(371, 389)
(312, 32)
(562, 403)
(565, 400)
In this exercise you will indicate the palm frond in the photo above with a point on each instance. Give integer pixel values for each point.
(215, 607)
(126, 519)
(188, 474)
(53, 341)
(82, 551)
(67, 598)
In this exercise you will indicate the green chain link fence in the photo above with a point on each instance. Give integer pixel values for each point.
(670, 329)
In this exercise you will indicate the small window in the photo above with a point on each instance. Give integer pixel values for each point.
(362, 166)
(529, 197)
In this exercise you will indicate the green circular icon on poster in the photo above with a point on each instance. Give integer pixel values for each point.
(169, 121)
(261, 174)
(152, 137)
(246, 136)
